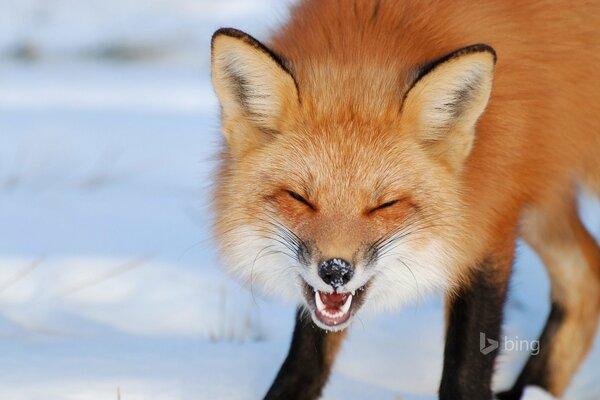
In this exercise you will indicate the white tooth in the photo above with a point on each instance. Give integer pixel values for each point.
(346, 305)
(320, 305)
(353, 292)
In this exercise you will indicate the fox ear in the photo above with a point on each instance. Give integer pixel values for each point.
(253, 84)
(446, 101)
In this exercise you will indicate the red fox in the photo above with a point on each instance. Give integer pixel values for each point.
(377, 150)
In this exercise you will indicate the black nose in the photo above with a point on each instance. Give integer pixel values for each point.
(336, 272)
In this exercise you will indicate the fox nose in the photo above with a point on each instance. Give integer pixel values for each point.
(336, 272)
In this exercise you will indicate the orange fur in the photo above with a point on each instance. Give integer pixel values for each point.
(345, 135)
(541, 128)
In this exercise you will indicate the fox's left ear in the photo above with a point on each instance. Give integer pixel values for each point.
(446, 101)
(254, 85)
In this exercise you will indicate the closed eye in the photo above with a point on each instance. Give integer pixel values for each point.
(301, 199)
(384, 205)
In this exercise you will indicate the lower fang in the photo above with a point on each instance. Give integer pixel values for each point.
(347, 304)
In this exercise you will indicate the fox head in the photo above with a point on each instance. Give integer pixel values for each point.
(343, 191)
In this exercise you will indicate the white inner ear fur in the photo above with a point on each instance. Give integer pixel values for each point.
(249, 83)
(444, 105)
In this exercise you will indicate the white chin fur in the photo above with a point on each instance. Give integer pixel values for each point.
(265, 272)
(392, 286)
(396, 284)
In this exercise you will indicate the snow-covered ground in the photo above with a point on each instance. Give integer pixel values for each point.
(108, 278)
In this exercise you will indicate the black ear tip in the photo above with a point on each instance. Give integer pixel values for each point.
(250, 40)
(482, 47)
(231, 32)
(474, 48)
(240, 35)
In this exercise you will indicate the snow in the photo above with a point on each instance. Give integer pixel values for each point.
(535, 393)
(108, 277)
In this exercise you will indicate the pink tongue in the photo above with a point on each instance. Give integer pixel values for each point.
(333, 300)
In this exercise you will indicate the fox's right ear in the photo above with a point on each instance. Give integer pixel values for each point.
(254, 86)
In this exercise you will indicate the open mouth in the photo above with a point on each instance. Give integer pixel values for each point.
(333, 310)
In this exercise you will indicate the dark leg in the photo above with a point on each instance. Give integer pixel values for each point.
(306, 368)
(537, 372)
(572, 259)
(474, 318)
